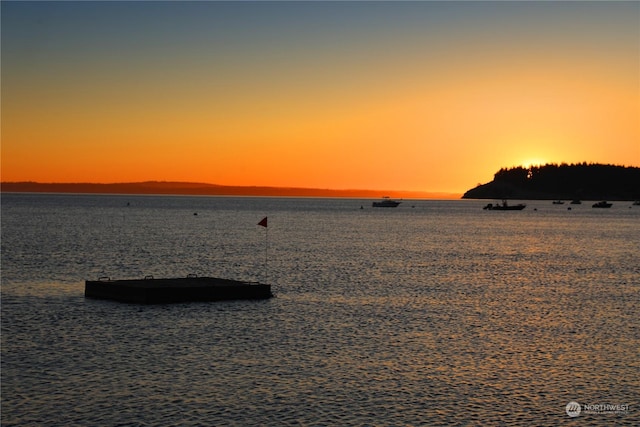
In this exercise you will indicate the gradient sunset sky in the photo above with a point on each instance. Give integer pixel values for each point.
(422, 96)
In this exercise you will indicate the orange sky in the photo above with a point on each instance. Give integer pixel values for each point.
(411, 96)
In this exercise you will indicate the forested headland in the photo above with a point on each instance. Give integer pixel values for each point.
(586, 181)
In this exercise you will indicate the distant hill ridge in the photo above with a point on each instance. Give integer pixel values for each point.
(551, 181)
(202, 189)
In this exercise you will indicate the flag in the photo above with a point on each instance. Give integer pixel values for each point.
(263, 222)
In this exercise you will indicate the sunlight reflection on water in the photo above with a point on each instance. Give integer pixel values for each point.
(442, 314)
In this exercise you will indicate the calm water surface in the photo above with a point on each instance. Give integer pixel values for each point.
(433, 313)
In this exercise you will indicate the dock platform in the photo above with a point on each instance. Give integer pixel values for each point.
(185, 289)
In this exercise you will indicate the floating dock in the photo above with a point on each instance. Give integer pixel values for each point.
(185, 289)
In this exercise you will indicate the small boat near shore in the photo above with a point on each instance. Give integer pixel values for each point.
(386, 202)
(504, 207)
(602, 204)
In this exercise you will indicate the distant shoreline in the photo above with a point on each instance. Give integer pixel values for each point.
(202, 189)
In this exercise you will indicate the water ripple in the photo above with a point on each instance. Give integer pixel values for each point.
(438, 315)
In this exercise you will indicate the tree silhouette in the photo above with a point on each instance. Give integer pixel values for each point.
(563, 181)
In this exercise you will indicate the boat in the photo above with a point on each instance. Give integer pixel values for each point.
(576, 202)
(183, 289)
(386, 202)
(602, 204)
(636, 203)
(504, 207)
(558, 202)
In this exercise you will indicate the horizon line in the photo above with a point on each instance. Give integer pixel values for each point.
(207, 189)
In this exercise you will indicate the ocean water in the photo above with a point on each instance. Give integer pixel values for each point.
(433, 313)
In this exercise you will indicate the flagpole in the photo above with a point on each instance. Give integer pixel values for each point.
(264, 224)
(266, 255)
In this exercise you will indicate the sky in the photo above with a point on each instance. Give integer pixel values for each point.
(419, 96)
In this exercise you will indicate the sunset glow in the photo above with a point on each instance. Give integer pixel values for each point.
(423, 96)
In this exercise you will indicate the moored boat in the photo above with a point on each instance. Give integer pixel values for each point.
(504, 207)
(386, 202)
(602, 204)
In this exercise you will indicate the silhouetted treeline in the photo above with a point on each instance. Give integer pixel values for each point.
(589, 181)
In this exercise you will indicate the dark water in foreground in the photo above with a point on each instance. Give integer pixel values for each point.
(438, 314)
